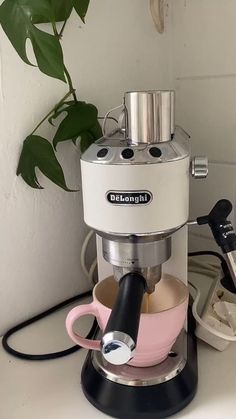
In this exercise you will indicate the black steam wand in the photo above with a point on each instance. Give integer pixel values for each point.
(223, 232)
(120, 336)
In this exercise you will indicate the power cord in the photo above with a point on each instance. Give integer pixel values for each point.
(227, 280)
(53, 355)
(210, 253)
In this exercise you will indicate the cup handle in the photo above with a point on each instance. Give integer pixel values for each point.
(75, 314)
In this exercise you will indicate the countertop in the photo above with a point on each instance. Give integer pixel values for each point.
(51, 389)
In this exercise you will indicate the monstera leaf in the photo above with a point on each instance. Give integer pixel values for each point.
(16, 18)
(38, 152)
(81, 7)
(81, 118)
(88, 137)
(61, 11)
(59, 110)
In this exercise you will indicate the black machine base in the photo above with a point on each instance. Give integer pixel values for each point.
(148, 402)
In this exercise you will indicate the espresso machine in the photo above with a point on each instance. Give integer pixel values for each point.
(136, 197)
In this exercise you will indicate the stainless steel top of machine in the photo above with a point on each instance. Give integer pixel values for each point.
(149, 116)
(114, 149)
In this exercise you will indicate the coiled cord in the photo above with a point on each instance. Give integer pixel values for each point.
(53, 355)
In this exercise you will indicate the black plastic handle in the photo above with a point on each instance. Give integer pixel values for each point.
(221, 228)
(125, 315)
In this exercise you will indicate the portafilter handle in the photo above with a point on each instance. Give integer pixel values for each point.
(120, 336)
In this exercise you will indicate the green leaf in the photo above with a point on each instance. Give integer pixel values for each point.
(74, 140)
(80, 117)
(16, 20)
(85, 141)
(61, 11)
(81, 7)
(96, 131)
(59, 110)
(38, 152)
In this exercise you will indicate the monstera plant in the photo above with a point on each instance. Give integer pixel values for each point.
(18, 19)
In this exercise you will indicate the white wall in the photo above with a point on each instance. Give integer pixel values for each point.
(204, 67)
(41, 231)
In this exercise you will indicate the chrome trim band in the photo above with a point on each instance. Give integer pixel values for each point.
(143, 377)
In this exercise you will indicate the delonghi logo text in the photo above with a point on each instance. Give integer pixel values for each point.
(129, 197)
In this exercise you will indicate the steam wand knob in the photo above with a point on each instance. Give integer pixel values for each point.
(199, 167)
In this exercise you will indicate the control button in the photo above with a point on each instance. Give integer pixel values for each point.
(127, 153)
(155, 152)
(102, 153)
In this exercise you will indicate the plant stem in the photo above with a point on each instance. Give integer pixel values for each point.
(54, 27)
(62, 29)
(69, 80)
(71, 92)
(70, 83)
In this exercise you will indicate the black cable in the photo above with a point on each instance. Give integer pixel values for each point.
(108, 117)
(212, 253)
(227, 280)
(53, 355)
(207, 252)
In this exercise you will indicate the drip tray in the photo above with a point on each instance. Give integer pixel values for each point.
(146, 376)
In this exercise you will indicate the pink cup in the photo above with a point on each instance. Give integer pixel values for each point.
(162, 319)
